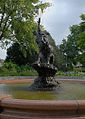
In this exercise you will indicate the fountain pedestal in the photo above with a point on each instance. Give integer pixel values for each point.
(45, 79)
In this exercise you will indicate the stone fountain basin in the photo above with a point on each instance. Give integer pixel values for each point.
(35, 109)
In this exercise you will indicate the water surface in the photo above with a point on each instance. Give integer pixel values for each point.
(67, 91)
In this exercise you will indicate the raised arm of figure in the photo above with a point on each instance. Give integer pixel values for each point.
(39, 30)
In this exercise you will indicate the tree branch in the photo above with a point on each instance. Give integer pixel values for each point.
(2, 15)
(4, 28)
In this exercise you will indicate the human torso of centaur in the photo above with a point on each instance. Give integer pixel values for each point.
(44, 47)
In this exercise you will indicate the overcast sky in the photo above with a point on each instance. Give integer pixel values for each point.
(59, 17)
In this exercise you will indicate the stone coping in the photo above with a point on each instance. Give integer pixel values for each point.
(15, 81)
(30, 80)
(75, 105)
(54, 109)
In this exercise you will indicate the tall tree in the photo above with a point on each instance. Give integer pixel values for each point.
(70, 48)
(17, 20)
(81, 41)
(15, 55)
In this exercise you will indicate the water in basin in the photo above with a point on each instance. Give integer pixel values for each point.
(67, 91)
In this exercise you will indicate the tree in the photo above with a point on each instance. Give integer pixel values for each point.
(15, 55)
(81, 42)
(73, 48)
(69, 48)
(17, 20)
(81, 59)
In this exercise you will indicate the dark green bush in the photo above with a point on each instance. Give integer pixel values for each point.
(11, 69)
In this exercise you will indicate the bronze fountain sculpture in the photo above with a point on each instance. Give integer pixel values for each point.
(44, 65)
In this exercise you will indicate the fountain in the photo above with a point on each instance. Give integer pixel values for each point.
(44, 65)
(20, 108)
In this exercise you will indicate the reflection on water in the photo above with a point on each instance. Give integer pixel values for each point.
(68, 91)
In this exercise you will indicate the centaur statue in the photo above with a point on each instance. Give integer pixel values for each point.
(44, 65)
(45, 49)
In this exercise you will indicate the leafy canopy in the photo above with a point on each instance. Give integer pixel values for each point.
(73, 48)
(17, 20)
(81, 42)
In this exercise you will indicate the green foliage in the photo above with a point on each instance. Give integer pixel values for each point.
(76, 72)
(81, 41)
(8, 68)
(11, 69)
(70, 48)
(82, 17)
(15, 55)
(73, 48)
(17, 20)
(82, 59)
(79, 69)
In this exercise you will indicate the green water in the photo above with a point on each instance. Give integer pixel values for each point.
(67, 91)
